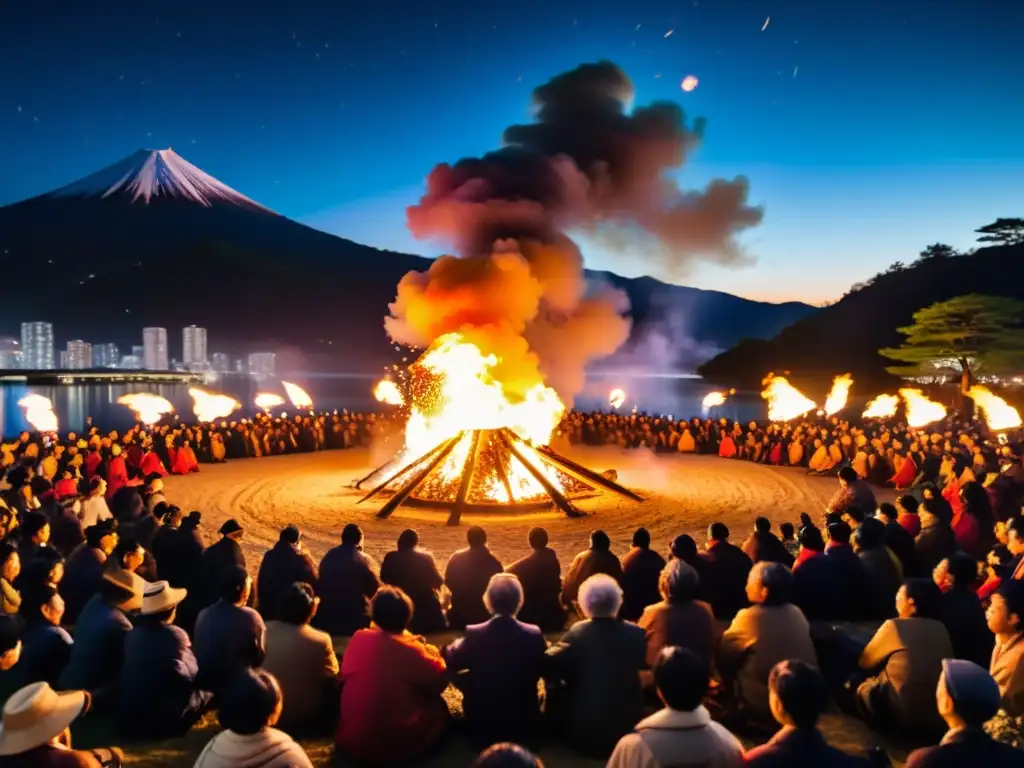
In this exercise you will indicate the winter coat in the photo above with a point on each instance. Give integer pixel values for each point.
(641, 569)
(306, 667)
(269, 748)
(96, 658)
(348, 579)
(283, 565)
(228, 640)
(468, 572)
(540, 575)
(415, 573)
(586, 564)
(83, 574)
(730, 567)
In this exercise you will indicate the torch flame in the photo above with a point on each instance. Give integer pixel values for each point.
(836, 400)
(785, 401)
(882, 407)
(999, 414)
(148, 408)
(465, 395)
(713, 400)
(266, 401)
(298, 396)
(920, 410)
(39, 412)
(209, 406)
(386, 391)
(616, 398)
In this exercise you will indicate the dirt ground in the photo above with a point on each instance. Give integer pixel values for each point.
(684, 494)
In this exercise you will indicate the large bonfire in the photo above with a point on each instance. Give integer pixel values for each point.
(510, 323)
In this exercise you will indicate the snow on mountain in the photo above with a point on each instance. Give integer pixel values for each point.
(159, 173)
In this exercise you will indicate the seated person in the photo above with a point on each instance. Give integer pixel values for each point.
(1005, 617)
(682, 734)
(250, 709)
(46, 645)
(680, 619)
(904, 659)
(770, 631)
(540, 575)
(798, 695)
(36, 731)
(391, 686)
(467, 575)
(960, 609)
(599, 661)
(501, 663)
(302, 660)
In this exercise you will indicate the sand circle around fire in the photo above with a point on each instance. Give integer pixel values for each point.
(684, 494)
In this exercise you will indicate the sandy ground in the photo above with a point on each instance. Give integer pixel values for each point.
(684, 494)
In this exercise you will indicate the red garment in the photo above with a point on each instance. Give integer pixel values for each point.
(804, 555)
(391, 705)
(965, 526)
(727, 448)
(911, 523)
(133, 455)
(906, 475)
(775, 456)
(117, 475)
(65, 489)
(190, 458)
(92, 463)
(992, 583)
(179, 462)
(151, 465)
(951, 493)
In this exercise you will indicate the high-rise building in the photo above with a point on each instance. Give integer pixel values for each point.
(106, 356)
(138, 351)
(37, 346)
(10, 354)
(262, 365)
(154, 349)
(193, 344)
(79, 355)
(130, 363)
(221, 362)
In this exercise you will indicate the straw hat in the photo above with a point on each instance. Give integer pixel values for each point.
(159, 597)
(131, 588)
(35, 714)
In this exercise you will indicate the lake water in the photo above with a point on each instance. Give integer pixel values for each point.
(664, 395)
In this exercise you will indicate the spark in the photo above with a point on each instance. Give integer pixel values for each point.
(669, 34)
(766, 23)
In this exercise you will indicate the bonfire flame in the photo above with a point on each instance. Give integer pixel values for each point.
(148, 408)
(39, 412)
(836, 400)
(266, 401)
(386, 391)
(209, 406)
(616, 398)
(299, 397)
(999, 414)
(920, 410)
(882, 407)
(713, 400)
(785, 401)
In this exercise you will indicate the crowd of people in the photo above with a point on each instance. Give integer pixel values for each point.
(657, 657)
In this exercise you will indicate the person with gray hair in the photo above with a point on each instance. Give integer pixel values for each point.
(770, 631)
(680, 619)
(498, 665)
(594, 671)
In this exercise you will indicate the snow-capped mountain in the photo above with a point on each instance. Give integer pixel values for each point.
(158, 174)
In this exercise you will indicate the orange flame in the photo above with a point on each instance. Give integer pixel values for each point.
(920, 410)
(616, 398)
(882, 407)
(999, 414)
(148, 408)
(713, 400)
(785, 402)
(209, 406)
(39, 412)
(386, 391)
(836, 400)
(266, 401)
(299, 397)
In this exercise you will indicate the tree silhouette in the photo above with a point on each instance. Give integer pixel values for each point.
(896, 266)
(938, 251)
(1002, 232)
(965, 333)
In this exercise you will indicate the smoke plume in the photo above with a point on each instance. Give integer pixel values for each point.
(517, 287)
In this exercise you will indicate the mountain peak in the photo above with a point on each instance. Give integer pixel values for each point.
(149, 175)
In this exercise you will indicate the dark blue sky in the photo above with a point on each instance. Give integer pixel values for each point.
(868, 128)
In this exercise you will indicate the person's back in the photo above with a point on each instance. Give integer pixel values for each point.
(468, 572)
(587, 563)
(348, 579)
(963, 616)
(98, 650)
(283, 565)
(541, 577)
(686, 624)
(228, 639)
(415, 573)
(641, 567)
(730, 566)
(83, 573)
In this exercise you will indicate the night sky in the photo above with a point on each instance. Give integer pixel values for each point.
(867, 128)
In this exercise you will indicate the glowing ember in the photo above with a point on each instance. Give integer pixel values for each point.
(836, 400)
(209, 406)
(999, 414)
(616, 398)
(785, 401)
(386, 391)
(267, 401)
(298, 396)
(148, 408)
(882, 407)
(689, 83)
(39, 412)
(920, 410)
(713, 400)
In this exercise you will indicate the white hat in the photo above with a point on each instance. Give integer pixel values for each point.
(160, 596)
(35, 714)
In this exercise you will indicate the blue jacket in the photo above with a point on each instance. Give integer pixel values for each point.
(228, 640)
(45, 650)
(99, 648)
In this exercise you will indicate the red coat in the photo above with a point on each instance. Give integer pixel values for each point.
(92, 463)
(117, 475)
(391, 705)
(65, 489)
(727, 448)
(906, 475)
(151, 465)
